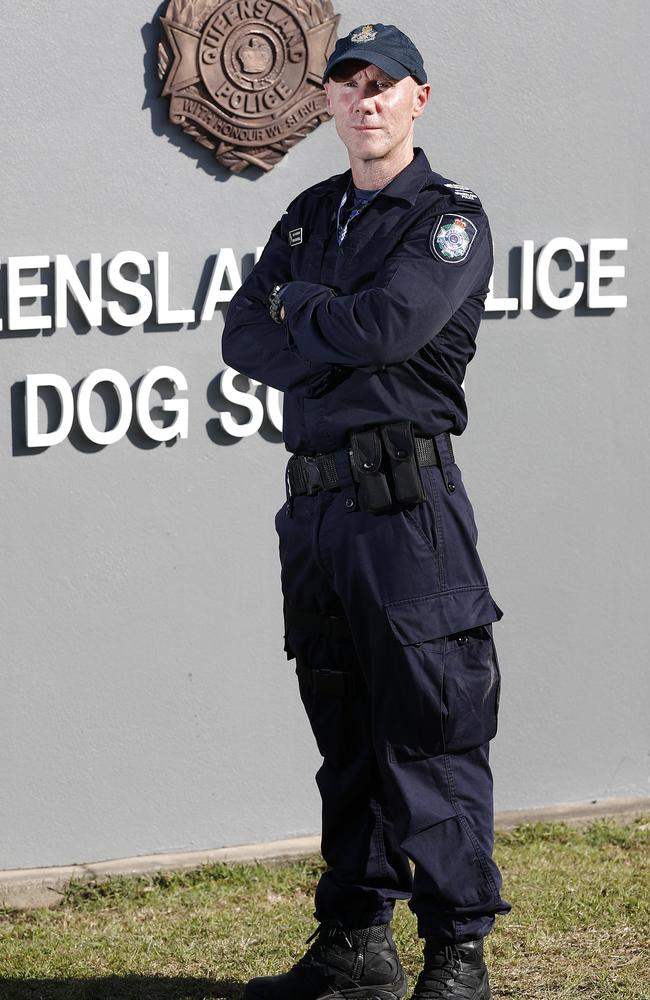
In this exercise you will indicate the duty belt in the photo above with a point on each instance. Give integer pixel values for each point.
(309, 474)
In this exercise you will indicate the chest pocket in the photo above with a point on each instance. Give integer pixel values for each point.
(307, 258)
(360, 259)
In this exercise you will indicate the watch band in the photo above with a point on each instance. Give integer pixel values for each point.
(275, 303)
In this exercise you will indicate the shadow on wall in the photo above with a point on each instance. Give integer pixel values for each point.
(122, 298)
(158, 108)
(52, 403)
(240, 409)
(241, 414)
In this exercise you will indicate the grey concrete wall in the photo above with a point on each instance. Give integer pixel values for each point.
(145, 703)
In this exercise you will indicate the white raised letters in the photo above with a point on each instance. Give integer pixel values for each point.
(36, 438)
(178, 427)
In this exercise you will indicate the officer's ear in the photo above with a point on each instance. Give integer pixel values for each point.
(420, 98)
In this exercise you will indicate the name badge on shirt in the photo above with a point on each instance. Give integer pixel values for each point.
(295, 237)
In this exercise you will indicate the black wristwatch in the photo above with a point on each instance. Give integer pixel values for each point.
(275, 303)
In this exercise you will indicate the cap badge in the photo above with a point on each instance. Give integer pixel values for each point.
(365, 34)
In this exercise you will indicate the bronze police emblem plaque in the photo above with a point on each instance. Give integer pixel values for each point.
(244, 76)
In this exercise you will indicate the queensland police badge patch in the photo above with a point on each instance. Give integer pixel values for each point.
(452, 238)
(244, 76)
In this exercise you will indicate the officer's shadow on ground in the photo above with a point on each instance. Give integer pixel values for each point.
(121, 988)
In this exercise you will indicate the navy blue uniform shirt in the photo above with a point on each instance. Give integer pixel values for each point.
(378, 329)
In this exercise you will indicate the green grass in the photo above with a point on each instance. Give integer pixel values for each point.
(579, 927)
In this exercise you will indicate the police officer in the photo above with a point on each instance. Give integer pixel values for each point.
(364, 309)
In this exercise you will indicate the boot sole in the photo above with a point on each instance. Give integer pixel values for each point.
(485, 993)
(393, 991)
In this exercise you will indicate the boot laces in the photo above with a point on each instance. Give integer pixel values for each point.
(321, 941)
(440, 972)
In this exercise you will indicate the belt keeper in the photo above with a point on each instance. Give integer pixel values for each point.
(445, 454)
(287, 483)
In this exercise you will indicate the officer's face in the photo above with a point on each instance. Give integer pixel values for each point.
(374, 113)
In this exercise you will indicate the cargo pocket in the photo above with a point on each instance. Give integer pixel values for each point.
(471, 688)
(288, 648)
(326, 695)
(451, 669)
(328, 677)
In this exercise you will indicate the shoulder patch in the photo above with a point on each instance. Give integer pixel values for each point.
(463, 195)
(451, 238)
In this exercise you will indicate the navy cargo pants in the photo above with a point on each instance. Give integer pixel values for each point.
(389, 619)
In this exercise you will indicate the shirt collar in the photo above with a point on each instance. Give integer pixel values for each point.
(406, 186)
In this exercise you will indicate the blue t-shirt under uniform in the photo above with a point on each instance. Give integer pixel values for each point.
(352, 205)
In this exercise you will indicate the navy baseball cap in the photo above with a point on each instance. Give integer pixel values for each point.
(384, 46)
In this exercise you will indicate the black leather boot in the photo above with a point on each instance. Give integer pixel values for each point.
(453, 972)
(355, 964)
